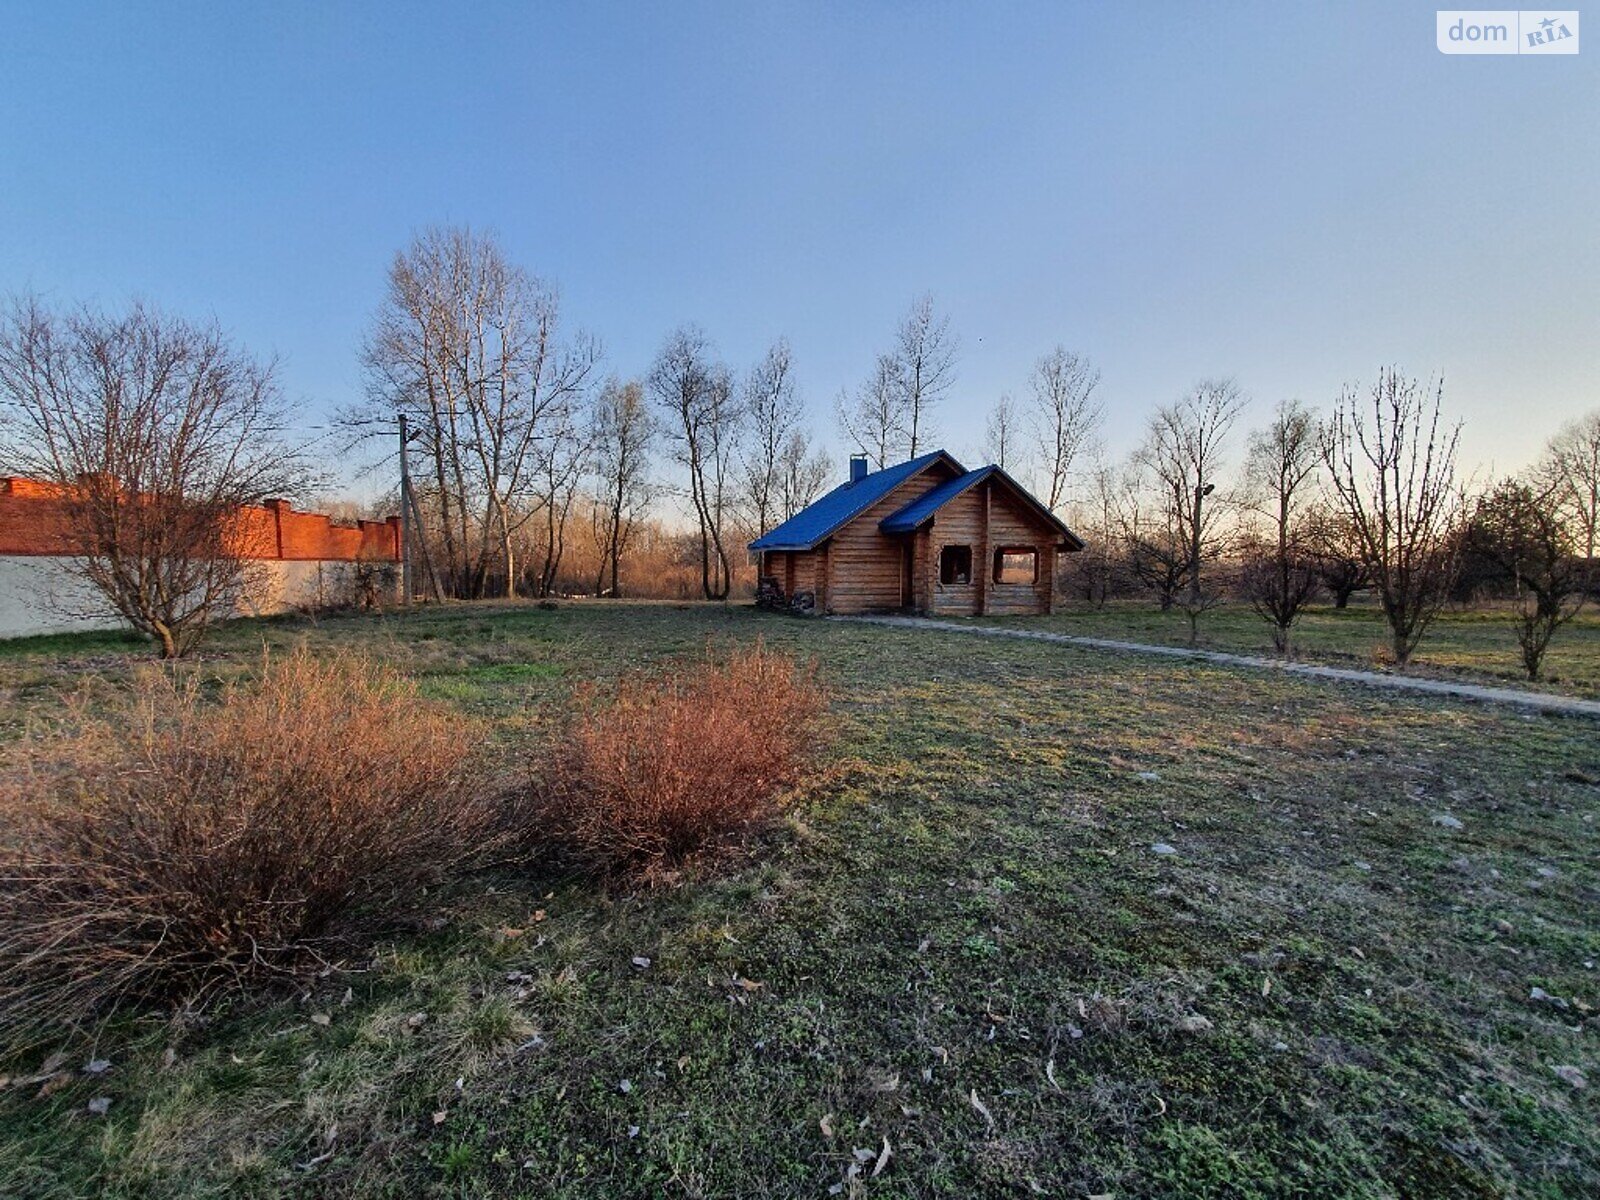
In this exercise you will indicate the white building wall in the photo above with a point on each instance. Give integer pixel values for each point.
(40, 594)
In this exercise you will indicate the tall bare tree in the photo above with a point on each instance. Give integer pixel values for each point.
(1393, 464)
(1064, 415)
(156, 433)
(1520, 535)
(873, 420)
(468, 345)
(702, 424)
(1280, 480)
(1183, 455)
(623, 436)
(1001, 434)
(925, 352)
(772, 408)
(561, 461)
(803, 471)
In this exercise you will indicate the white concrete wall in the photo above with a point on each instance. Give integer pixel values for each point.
(40, 594)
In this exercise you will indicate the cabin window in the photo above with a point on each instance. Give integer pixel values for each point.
(955, 564)
(1016, 564)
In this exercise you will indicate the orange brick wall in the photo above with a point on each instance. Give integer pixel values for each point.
(32, 522)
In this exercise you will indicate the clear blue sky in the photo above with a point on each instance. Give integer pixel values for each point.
(1292, 194)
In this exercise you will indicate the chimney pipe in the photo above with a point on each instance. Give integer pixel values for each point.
(858, 467)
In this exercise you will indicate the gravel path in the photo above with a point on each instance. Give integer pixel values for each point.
(1542, 701)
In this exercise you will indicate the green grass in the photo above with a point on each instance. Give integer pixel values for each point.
(1475, 644)
(965, 908)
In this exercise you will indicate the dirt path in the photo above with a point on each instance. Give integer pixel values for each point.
(1566, 705)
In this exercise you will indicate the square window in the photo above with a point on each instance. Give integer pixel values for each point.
(955, 564)
(1016, 564)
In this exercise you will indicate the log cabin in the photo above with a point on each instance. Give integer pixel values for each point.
(926, 536)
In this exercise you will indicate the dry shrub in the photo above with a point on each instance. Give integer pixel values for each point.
(678, 764)
(181, 845)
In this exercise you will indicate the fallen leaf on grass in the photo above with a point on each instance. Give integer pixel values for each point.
(322, 1019)
(438, 1117)
(640, 961)
(884, 1156)
(983, 1109)
(1050, 1074)
(100, 1105)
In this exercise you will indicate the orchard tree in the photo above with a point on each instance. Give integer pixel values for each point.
(1392, 459)
(1183, 456)
(1519, 535)
(1280, 573)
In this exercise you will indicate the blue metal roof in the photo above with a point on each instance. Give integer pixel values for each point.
(820, 520)
(916, 514)
(924, 506)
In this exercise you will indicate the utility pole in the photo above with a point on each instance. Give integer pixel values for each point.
(405, 514)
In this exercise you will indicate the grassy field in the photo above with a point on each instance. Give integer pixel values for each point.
(1475, 644)
(960, 957)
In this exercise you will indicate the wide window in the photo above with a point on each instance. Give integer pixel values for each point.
(1016, 564)
(955, 564)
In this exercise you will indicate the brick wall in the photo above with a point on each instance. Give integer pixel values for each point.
(33, 522)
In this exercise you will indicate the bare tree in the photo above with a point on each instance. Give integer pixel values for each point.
(1157, 551)
(1393, 464)
(1520, 535)
(1569, 472)
(1064, 416)
(702, 424)
(1336, 550)
(772, 407)
(561, 461)
(157, 434)
(925, 351)
(1094, 569)
(1183, 454)
(1001, 434)
(623, 436)
(467, 344)
(874, 421)
(803, 472)
(1280, 478)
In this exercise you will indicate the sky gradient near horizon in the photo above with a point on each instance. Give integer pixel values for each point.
(1288, 194)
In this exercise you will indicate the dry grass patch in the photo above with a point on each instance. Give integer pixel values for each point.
(177, 844)
(679, 764)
